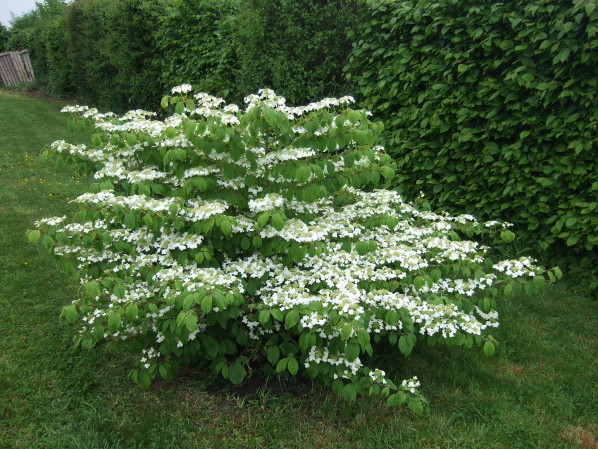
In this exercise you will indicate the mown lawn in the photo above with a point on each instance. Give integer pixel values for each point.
(539, 391)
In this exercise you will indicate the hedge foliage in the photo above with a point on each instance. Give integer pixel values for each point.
(126, 53)
(110, 51)
(490, 108)
(298, 48)
(195, 44)
(4, 37)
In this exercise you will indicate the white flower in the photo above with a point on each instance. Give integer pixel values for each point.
(182, 89)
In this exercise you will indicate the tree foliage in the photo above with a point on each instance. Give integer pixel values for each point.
(4, 38)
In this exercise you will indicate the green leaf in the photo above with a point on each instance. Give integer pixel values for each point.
(130, 139)
(262, 219)
(277, 314)
(293, 366)
(273, 354)
(144, 379)
(92, 289)
(264, 316)
(302, 174)
(351, 352)
(282, 365)
(391, 317)
(507, 236)
(346, 331)
(119, 291)
(292, 319)
(226, 227)
(349, 392)
(405, 345)
(164, 372)
(33, 236)
(188, 301)
(132, 311)
(394, 400)
(70, 313)
(337, 386)
(87, 343)
(362, 248)
(191, 322)
(416, 406)
(236, 373)
(256, 241)
(206, 304)
(489, 349)
(98, 332)
(245, 243)
(363, 337)
(418, 282)
(539, 282)
(388, 173)
(278, 221)
(130, 220)
(114, 321)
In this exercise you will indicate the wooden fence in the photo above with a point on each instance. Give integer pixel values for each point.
(15, 68)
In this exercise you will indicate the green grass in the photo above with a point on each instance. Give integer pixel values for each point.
(539, 391)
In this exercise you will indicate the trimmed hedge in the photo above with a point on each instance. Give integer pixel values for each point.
(110, 52)
(4, 38)
(490, 108)
(195, 44)
(125, 53)
(298, 48)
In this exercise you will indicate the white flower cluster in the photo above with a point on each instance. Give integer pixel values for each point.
(182, 89)
(378, 376)
(523, 266)
(411, 384)
(323, 355)
(74, 109)
(270, 99)
(132, 202)
(268, 202)
(51, 221)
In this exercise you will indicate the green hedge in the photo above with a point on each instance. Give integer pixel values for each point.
(195, 44)
(298, 48)
(490, 108)
(4, 38)
(110, 52)
(121, 54)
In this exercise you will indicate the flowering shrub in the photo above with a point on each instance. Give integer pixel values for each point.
(265, 236)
